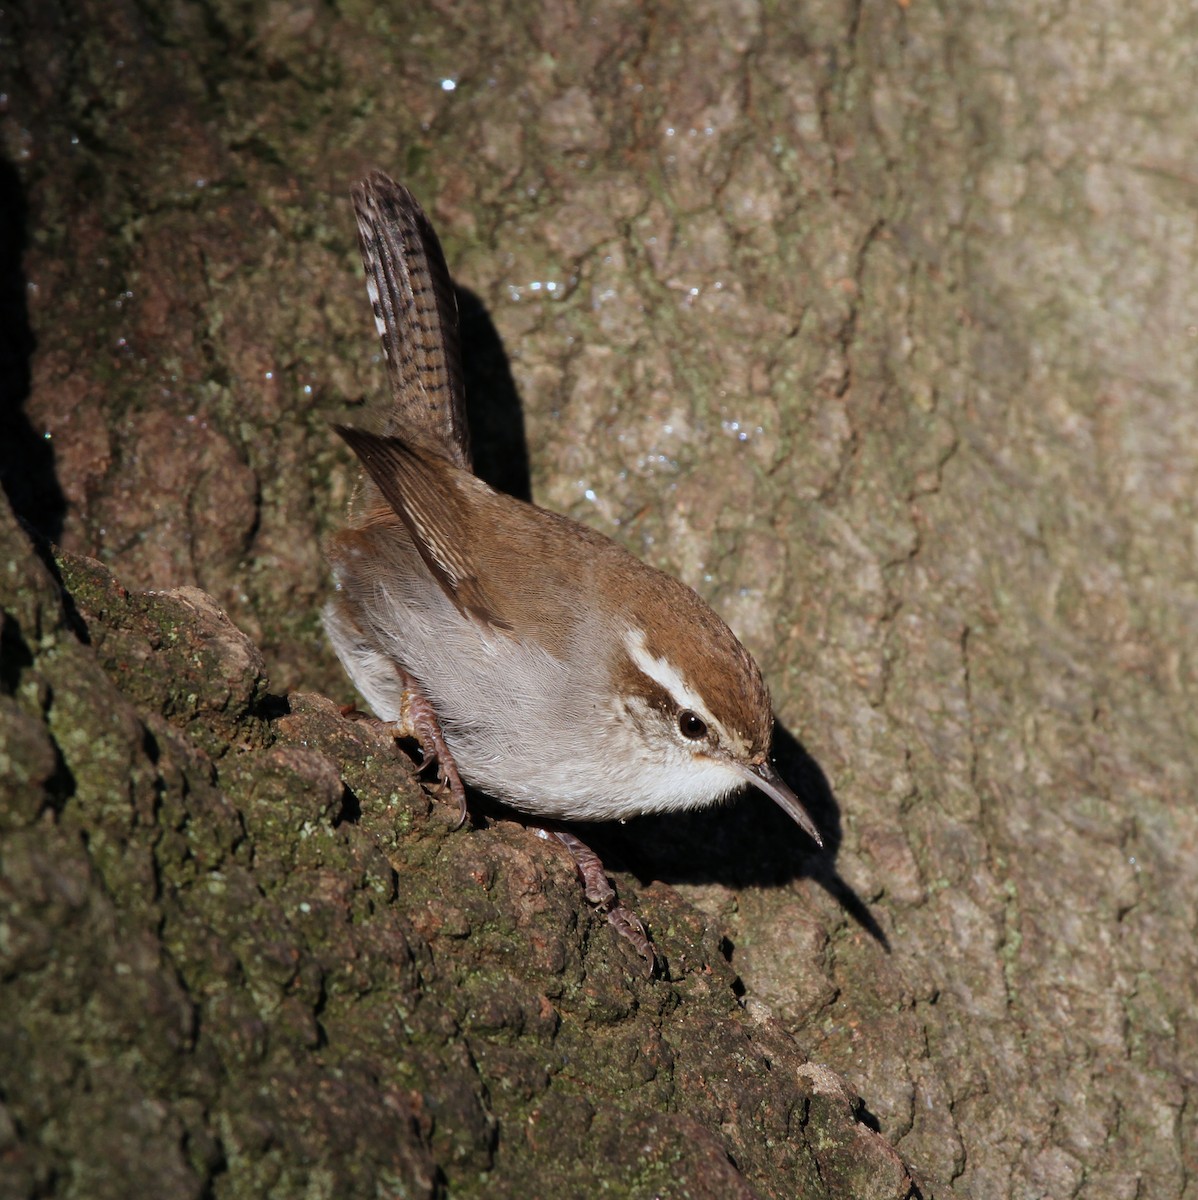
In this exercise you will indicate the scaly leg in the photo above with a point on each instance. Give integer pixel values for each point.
(598, 890)
(418, 721)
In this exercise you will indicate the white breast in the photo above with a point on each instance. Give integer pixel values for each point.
(525, 727)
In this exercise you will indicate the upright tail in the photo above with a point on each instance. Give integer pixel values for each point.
(417, 317)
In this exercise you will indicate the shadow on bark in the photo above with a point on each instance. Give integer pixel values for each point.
(748, 842)
(27, 471)
(493, 407)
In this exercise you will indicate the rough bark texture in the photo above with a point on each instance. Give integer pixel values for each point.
(875, 324)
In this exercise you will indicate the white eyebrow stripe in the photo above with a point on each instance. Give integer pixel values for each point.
(669, 677)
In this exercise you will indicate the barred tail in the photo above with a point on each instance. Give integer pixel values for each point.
(417, 317)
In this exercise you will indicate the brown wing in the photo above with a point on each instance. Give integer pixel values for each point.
(422, 494)
(417, 317)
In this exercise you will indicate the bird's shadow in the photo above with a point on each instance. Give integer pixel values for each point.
(27, 468)
(493, 409)
(746, 842)
(749, 842)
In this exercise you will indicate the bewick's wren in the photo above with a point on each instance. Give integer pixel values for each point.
(533, 657)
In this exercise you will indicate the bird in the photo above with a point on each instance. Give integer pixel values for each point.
(531, 656)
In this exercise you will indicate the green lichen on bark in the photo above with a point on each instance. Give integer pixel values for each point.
(245, 954)
(873, 322)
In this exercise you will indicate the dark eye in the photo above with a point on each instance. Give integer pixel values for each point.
(691, 726)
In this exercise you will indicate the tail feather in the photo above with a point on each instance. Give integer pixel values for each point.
(416, 313)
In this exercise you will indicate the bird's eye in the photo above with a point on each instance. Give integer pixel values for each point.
(691, 725)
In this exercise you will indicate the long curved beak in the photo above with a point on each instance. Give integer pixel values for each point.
(765, 779)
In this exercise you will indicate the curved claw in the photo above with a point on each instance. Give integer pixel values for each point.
(422, 724)
(598, 890)
(628, 925)
(418, 719)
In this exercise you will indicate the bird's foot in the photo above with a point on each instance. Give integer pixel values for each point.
(418, 721)
(599, 891)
